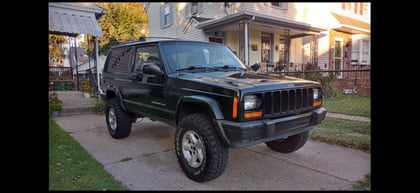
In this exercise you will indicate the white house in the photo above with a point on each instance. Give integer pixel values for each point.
(333, 36)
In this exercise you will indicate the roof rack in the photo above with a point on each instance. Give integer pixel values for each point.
(150, 38)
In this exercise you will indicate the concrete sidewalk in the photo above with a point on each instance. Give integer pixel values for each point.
(152, 163)
(348, 117)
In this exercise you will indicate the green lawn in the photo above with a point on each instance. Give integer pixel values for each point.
(353, 134)
(72, 168)
(347, 133)
(364, 184)
(348, 104)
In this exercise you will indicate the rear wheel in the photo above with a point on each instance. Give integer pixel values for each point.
(200, 153)
(290, 144)
(117, 120)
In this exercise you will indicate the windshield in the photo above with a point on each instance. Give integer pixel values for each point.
(190, 56)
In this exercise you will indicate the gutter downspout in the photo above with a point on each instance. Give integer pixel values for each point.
(246, 39)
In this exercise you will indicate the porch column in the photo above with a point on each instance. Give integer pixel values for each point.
(246, 50)
(241, 33)
(77, 63)
(314, 49)
(96, 66)
(286, 46)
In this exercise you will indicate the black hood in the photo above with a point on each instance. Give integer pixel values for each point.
(244, 79)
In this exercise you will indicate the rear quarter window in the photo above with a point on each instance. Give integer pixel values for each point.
(118, 60)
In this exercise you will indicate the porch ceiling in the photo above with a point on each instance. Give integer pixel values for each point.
(264, 23)
(351, 26)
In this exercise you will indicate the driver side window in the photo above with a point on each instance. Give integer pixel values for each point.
(146, 54)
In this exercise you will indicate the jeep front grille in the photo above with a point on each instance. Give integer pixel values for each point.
(290, 101)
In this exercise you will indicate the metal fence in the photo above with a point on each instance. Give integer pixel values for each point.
(353, 72)
(62, 78)
(352, 79)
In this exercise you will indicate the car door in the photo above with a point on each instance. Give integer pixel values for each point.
(146, 90)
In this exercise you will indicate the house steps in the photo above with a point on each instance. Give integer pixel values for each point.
(74, 103)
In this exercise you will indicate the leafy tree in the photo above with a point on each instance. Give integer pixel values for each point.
(55, 46)
(121, 22)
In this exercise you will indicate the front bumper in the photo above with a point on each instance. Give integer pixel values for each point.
(245, 134)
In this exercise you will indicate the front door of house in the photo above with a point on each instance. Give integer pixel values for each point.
(266, 51)
(338, 57)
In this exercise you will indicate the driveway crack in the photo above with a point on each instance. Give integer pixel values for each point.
(147, 154)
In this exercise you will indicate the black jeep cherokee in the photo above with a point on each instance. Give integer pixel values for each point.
(204, 90)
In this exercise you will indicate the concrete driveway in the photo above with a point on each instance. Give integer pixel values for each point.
(146, 160)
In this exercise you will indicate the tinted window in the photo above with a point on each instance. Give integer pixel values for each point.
(146, 54)
(119, 59)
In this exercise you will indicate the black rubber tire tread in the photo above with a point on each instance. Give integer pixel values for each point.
(123, 120)
(291, 144)
(216, 154)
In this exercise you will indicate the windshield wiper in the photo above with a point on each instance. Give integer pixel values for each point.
(193, 68)
(228, 67)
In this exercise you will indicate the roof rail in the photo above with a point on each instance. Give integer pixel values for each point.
(142, 38)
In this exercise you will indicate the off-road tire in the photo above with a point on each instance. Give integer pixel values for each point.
(118, 121)
(196, 137)
(290, 144)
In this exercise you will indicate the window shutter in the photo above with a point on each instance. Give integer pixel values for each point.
(162, 16)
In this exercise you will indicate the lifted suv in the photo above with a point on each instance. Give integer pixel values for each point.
(203, 90)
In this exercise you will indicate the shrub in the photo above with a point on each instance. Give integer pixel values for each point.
(55, 103)
(100, 106)
(326, 81)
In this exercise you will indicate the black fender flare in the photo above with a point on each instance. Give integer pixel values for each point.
(117, 94)
(211, 105)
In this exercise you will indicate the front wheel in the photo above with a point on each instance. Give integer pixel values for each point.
(290, 144)
(200, 153)
(117, 120)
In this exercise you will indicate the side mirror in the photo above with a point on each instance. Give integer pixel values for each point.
(151, 68)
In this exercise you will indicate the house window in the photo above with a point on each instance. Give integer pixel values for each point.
(364, 52)
(165, 15)
(365, 9)
(280, 5)
(356, 8)
(347, 6)
(216, 39)
(194, 8)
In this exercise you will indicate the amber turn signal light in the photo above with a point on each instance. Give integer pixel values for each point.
(316, 103)
(253, 115)
(235, 107)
